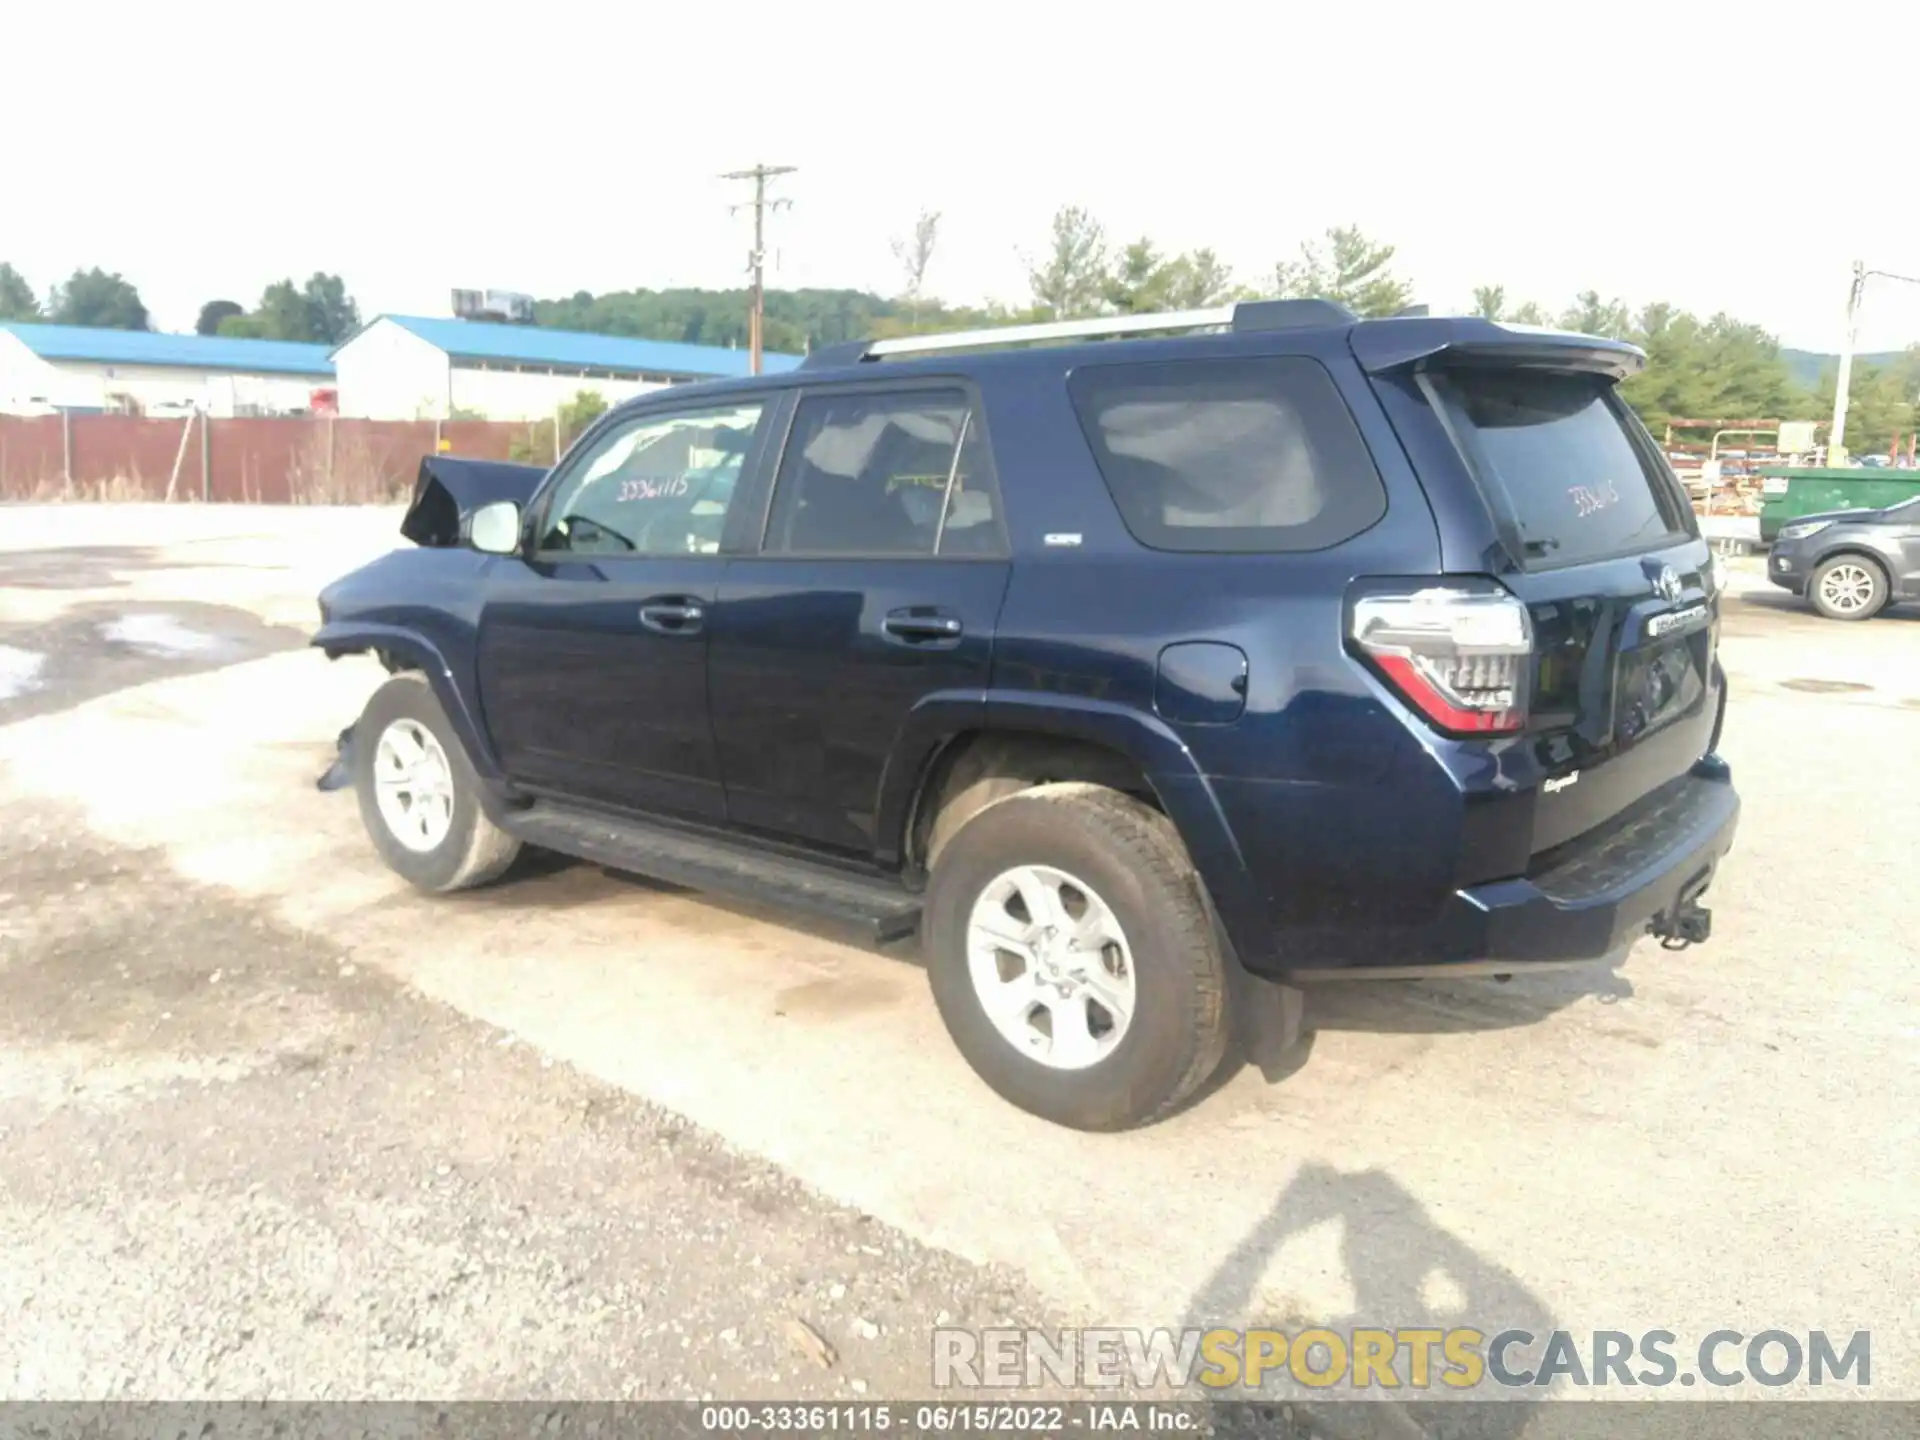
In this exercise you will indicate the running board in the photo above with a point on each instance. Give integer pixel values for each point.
(878, 907)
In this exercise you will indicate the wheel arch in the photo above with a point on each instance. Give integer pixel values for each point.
(400, 649)
(1040, 738)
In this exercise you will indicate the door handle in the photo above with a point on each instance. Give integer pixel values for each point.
(672, 616)
(922, 627)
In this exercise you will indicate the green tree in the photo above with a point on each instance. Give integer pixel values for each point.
(1196, 280)
(1880, 406)
(212, 313)
(243, 327)
(1590, 315)
(282, 313)
(17, 300)
(578, 413)
(1142, 281)
(1531, 313)
(1490, 302)
(317, 313)
(1071, 281)
(332, 315)
(96, 298)
(1347, 268)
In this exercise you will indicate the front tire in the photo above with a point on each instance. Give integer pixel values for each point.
(1073, 957)
(1848, 587)
(419, 796)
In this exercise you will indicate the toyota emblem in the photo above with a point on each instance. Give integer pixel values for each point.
(1667, 584)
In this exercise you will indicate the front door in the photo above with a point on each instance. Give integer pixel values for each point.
(593, 646)
(878, 583)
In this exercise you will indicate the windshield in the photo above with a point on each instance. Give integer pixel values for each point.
(1555, 452)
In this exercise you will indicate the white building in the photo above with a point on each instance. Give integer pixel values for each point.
(403, 367)
(65, 367)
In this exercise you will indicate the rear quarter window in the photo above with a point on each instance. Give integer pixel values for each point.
(1558, 455)
(1229, 455)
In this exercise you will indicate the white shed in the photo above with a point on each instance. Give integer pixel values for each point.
(404, 367)
(68, 367)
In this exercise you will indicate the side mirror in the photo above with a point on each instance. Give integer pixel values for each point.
(495, 529)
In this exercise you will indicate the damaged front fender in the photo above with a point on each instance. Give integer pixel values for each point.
(449, 489)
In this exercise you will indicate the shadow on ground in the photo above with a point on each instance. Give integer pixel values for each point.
(1405, 1270)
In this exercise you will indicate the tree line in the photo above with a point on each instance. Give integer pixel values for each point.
(320, 312)
(1697, 368)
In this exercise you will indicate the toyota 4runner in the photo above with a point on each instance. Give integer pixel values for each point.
(1141, 677)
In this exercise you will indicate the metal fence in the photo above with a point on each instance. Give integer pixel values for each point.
(306, 460)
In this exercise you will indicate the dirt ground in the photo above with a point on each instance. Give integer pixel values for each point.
(274, 1125)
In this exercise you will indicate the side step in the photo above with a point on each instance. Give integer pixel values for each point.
(880, 909)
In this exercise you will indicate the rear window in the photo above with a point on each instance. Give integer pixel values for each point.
(1229, 455)
(1557, 456)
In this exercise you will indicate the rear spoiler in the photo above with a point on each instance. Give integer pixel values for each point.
(1384, 345)
(449, 489)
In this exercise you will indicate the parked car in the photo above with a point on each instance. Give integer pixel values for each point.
(1143, 679)
(1851, 564)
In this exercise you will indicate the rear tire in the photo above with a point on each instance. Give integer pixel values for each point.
(434, 835)
(1848, 587)
(1139, 937)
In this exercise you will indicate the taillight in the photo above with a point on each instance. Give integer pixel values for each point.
(1458, 652)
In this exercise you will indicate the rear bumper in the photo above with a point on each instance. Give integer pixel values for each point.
(1587, 902)
(1604, 892)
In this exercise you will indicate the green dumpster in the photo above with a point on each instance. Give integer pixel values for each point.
(1786, 493)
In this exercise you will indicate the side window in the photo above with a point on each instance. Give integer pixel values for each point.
(658, 485)
(883, 474)
(1229, 455)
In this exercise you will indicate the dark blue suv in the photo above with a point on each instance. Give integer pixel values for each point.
(1140, 678)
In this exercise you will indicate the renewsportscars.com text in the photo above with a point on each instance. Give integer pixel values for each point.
(1410, 1358)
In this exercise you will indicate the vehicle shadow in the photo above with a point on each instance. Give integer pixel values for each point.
(1783, 602)
(1447, 1007)
(1404, 1271)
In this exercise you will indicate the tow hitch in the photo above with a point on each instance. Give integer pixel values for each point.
(1687, 923)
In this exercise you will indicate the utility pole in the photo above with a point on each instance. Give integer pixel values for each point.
(757, 257)
(1837, 432)
(1836, 450)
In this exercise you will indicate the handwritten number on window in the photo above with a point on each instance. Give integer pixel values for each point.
(673, 489)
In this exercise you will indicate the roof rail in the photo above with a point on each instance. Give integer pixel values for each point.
(1248, 315)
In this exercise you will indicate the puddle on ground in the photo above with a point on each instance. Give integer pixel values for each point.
(19, 671)
(164, 636)
(1825, 687)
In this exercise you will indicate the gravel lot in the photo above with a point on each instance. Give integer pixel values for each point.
(275, 1126)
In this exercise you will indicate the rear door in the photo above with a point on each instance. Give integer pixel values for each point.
(877, 585)
(1618, 583)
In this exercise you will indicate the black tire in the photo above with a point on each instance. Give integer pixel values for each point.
(1876, 600)
(474, 850)
(1132, 857)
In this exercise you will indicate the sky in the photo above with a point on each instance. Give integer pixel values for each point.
(1687, 151)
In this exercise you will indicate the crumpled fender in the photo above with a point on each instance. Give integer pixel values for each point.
(449, 489)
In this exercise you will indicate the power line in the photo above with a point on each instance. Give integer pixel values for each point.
(757, 257)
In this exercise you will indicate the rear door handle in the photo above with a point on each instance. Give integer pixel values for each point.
(921, 626)
(673, 615)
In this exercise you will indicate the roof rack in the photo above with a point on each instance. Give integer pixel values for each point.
(1245, 317)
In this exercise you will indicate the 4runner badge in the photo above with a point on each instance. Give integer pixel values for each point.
(1561, 782)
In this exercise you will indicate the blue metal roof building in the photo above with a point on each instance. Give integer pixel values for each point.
(407, 367)
(479, 342)
(79, 344)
